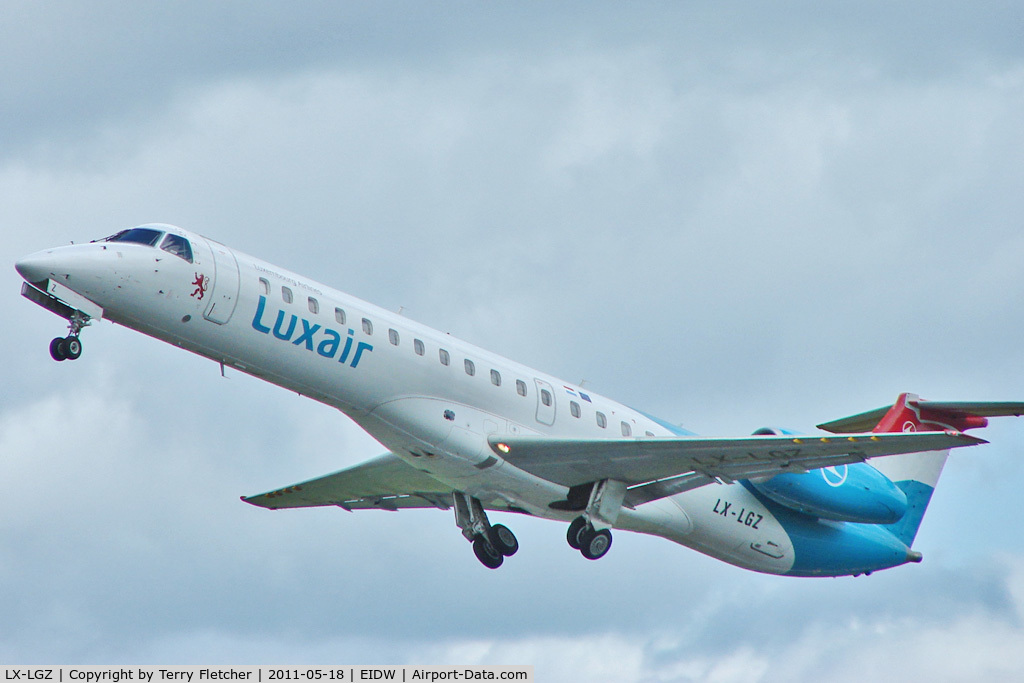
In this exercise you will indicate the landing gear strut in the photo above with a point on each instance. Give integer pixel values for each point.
(491, 544)
(69, 347)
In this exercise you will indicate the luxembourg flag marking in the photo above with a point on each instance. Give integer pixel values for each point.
(574, 394)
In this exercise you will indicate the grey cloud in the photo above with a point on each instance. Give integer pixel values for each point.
(733, 217)
(76, 69)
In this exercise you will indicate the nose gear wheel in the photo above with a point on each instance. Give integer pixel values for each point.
(66, 348)
(69, 347)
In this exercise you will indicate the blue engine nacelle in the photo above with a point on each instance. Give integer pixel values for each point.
(845, 493)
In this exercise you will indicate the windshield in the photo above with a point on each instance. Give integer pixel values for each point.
(137, 235)
(179, 246)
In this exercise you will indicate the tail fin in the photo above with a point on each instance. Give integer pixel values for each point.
(917, 474)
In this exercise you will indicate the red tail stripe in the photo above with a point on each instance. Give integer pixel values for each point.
(907, 414)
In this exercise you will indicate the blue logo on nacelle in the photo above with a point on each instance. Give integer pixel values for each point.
(328, 345)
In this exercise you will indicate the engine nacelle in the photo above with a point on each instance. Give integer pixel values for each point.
(845, 493)
(775, 431)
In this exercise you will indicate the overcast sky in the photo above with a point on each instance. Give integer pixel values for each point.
(731, 217)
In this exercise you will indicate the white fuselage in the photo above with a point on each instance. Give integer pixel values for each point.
(426, 396)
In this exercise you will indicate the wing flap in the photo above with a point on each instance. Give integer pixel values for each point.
(645, 493)
(572, 462)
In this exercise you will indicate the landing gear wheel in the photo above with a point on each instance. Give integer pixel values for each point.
(584, 535)
(57, 351)
(485, 552)
(573, 535)
(596, 544)
(72, 347)
(503, 540)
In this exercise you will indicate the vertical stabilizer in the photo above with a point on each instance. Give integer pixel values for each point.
(917, 474)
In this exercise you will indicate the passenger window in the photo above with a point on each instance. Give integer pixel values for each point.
(264, 287)
(521, 387)
(314, 305)
(602, 421)
(445, 358)
(367, 326)
(393, 337)
(470, 368)
(418, 346)
(495, 378)
(574, 408)
(339, 315)
(179, 246)
(286, 294)
(648, 433)
(626, 431)
(545, 397)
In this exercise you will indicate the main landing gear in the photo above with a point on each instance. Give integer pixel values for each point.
(491, 544)
(70, 347)
(590, 533)
(592, 543)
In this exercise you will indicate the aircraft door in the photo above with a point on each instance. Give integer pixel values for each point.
(224, 296)
(545, 402)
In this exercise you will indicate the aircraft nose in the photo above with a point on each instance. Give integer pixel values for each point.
(38, 266)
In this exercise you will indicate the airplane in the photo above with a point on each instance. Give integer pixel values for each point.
(469, 431)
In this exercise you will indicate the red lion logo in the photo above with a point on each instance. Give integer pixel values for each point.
(200, 286)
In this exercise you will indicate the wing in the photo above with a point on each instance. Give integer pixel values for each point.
(383, 483)
(689, 462)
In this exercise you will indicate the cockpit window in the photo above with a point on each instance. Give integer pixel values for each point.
(138, 236)
(179, 246)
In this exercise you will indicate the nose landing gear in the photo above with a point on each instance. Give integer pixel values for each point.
(66, 348)
(69, 347)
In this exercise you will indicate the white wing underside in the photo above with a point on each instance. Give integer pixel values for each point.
(382, 483)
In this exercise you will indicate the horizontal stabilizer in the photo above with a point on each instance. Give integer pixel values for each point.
(571, 462)
(989, 409)
(949, 411)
